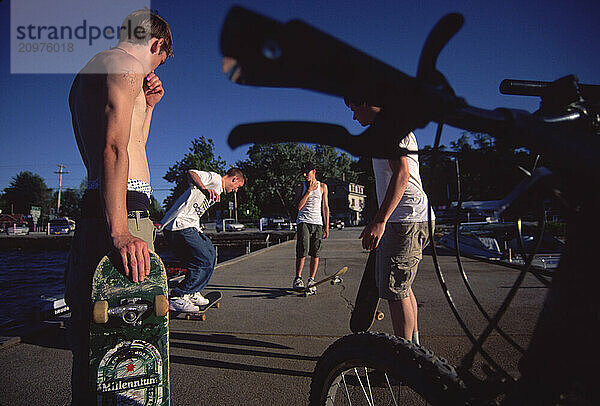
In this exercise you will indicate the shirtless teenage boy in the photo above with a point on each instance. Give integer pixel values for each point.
(111, 102)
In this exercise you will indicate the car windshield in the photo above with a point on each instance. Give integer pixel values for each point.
(59, 223)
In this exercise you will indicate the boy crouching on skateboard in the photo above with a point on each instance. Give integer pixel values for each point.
(181, 225)
(399, 230)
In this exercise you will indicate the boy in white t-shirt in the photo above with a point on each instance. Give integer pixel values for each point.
(399, 230)
(181, 225)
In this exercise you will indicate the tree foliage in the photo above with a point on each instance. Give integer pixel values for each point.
(488, 171)
(70, 200)
(27, 189)
(201, 156)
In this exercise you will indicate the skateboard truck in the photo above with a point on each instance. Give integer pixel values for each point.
(130, 310)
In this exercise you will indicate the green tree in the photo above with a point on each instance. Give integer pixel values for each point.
(201, 156)
(27, 189)
(332, 164)
(156, 211)
(488, 170)
(70, 200)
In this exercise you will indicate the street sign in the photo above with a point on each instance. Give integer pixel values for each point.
(35, 212)
(230, 205)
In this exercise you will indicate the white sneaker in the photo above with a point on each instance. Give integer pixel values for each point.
(199, 300)
(311, 287)
(182, 304)
(298, 283)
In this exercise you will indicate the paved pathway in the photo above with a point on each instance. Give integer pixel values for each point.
(261, 346)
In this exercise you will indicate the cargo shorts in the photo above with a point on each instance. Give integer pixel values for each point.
(308, 240)
(398, 256)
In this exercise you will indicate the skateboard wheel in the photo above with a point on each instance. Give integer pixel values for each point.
(161, 305)
(188, 317)
(218, 305)
(202, 317)
(379, 315)
(100, 312)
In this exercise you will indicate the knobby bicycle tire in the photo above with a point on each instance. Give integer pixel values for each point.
(374, 366)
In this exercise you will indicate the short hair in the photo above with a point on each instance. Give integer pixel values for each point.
(236, 172)
(150, 22)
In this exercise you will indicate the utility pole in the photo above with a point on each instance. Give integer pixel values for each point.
(235, 205)
(60, 174)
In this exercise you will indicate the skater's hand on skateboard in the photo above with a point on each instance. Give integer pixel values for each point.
(134, 254)
(371, 235)
(212, 194)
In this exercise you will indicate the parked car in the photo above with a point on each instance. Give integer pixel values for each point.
(59, 226)
(339, 224)
(230, 225)
(279, 223)
(17, 229)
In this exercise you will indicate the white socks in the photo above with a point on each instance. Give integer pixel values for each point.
(415, 338)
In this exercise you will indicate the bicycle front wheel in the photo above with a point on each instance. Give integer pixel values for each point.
(379, 369)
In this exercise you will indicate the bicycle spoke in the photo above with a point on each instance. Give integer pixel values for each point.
(369, 385)
(362, 386)
(346, 388)
(391, 390)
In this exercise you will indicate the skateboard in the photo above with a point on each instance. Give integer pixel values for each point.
(335, 278)
(214, 301)
(129, 335)
(367, 300)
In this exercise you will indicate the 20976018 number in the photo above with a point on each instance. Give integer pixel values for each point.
(48, 47)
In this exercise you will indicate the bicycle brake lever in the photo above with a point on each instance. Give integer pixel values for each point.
(260, 51)
(264, 52)
(372, 142)
(437, 39)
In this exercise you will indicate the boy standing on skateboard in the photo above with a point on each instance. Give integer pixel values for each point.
(313, 207)
(181, 226)
(399, 230)
(111, 103)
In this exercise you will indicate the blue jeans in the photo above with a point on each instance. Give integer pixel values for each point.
(197, 254)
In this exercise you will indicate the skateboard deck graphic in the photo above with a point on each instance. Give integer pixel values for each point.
(367, 300)
(335, 278)
(129, 335)
(214, 301)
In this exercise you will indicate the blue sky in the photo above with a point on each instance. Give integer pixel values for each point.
(537, 40)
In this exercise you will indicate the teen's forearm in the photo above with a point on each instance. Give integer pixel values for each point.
(326, 216)
(194, 179)
(303, 200)
(147, 120)
(114, 188)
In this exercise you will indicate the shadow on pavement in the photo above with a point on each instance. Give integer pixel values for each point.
(239, 351)
(176, 359)
(225, 339)
(261, 291)
(53, 337)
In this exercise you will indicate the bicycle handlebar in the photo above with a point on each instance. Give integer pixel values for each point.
(539, 88)
(294, 54)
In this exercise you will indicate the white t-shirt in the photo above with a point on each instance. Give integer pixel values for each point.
(192, 204)
(413, 205)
